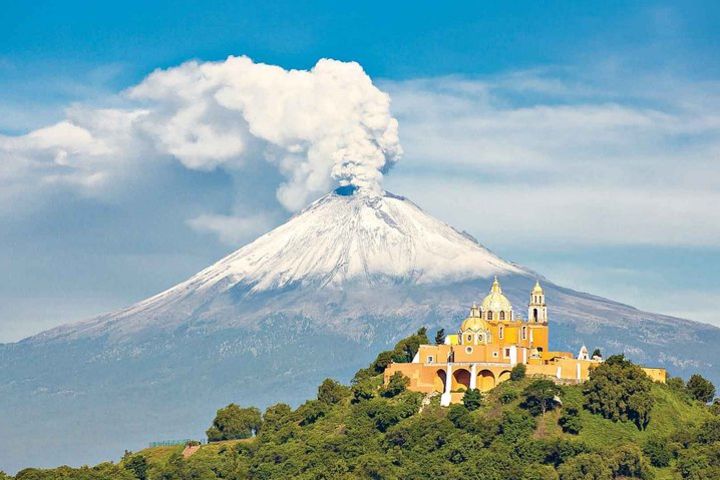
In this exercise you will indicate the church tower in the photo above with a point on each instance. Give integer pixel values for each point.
(537, 310)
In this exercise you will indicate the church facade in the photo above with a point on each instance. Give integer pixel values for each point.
(490, 342)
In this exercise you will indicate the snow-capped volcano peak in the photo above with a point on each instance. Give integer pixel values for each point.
(356, 236)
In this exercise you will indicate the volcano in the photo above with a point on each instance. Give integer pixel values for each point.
(316, 297)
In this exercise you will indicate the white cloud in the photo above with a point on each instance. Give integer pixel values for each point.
(508, 161)
(329, 125)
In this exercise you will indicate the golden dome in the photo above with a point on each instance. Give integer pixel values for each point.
(496, 301)
(537, 289)
(474, 321)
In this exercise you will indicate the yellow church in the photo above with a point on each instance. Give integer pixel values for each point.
(491, 341)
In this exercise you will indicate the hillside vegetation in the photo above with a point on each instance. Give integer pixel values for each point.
(616, 425)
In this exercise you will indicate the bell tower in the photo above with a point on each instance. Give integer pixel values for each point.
(537, 310)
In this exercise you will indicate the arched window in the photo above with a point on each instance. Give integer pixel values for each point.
(502, 315)
(490, 315)
(469, 338)
(524, 333)
(535, 314)
(502, 332)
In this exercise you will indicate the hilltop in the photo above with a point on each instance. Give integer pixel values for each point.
(524, 429)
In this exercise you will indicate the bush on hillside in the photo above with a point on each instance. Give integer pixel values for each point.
(518, 372)
(658, 451)
(473, 399)
(628, 462)
(137, 464)
(332, 392)
(540, 396)
(619, 390)
(586, 466)
(569, 421)
(700, 388)
(233, 422)
(397, 384)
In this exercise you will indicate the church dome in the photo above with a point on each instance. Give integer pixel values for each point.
(474, 322)
(496, 301)
(537, 289)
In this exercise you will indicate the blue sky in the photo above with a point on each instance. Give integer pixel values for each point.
(578, 139)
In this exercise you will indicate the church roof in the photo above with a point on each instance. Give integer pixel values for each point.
(496, 301)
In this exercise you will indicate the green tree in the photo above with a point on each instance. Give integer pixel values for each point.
(569, 421)
(676, 383)
(629, 462)
(619, 390)
(518, 372)
(701, 388)
(539, 472)
(586, 466)
(472, 399)
(332, 392)
(715, 407)
(658, 451)
(440, 337)
(539, 396)
(138, 465)
(596, 353)
(312, 411)
(233, 422)
(397, 384)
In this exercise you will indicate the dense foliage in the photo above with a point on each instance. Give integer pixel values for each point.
(233, 422)
(619, 390)
(525, 429)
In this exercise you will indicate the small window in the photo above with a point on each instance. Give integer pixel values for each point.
(489, 315)
(502, 333)
(507, 352)
(430, 359)
(468, 350)
(495, 354)
(524, 333)
(469, 338)
(502, 316)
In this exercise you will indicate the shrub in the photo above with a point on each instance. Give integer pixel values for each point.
(628, 462)
(137, 464)
(619, 390)
(709, 431)
(570, 421)
(331, 392)
(658, 451)
(586, 466)
(311, 411)
(397, 384)
(459, 416)
(518, 372)
(363, 390)
(233, 422)
(440, 337)
(539, 472)
(516, 426)
(508, 396)
(539, 396)
(701, 388)
(472, 399)
(276, 416)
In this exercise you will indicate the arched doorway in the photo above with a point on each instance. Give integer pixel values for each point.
(504, 375)
(461, 379)
(485, 380)
(439, 381)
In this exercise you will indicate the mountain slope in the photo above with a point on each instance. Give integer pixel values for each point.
(315, 297)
